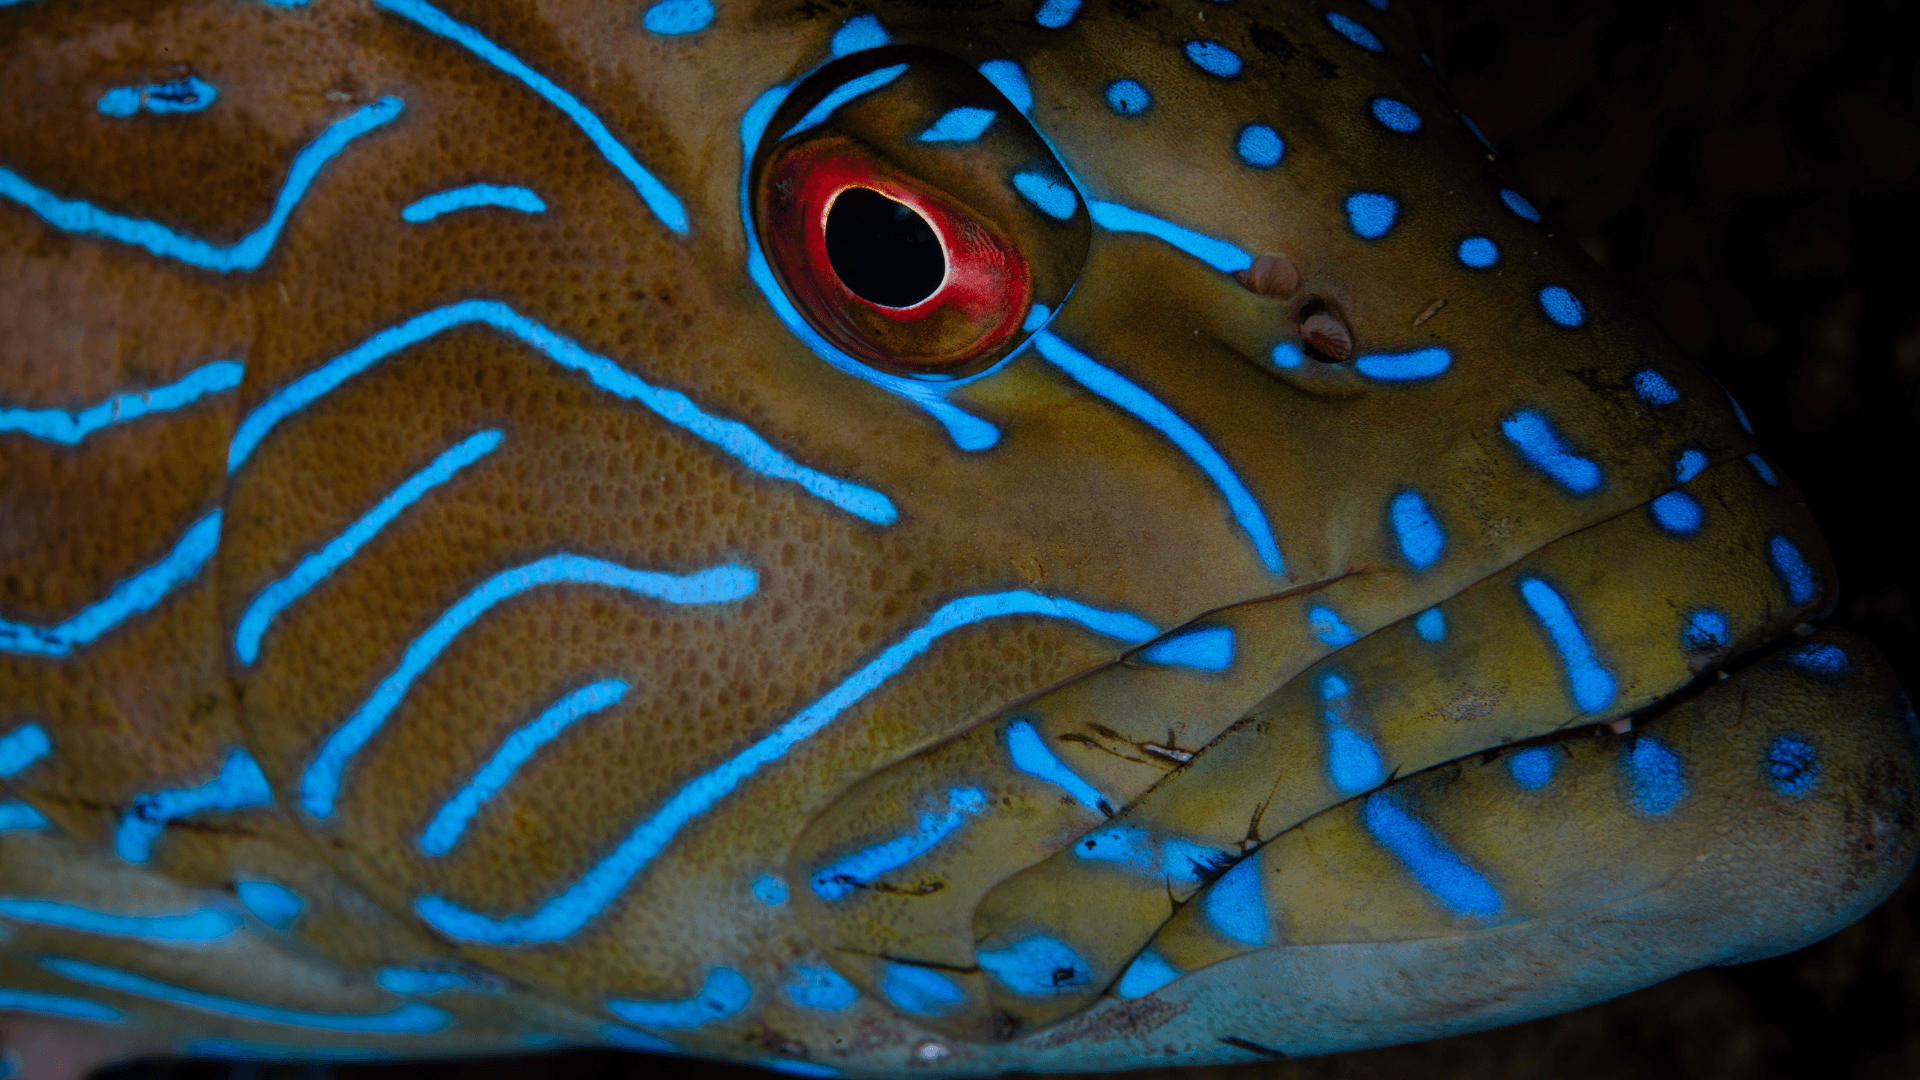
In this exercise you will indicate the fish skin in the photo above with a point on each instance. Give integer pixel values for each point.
(1086, 503)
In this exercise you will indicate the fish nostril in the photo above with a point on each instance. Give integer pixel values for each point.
(1326, 333)
(1270, 275)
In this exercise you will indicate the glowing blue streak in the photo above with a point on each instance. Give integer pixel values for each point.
(730, 436)
(1762, 470)
(1148, 972)
(963, 124)
(1328, 628)
(1260, 146)
(1821, 660)
(412, 1018)
(22, 747)
(1562, 306)
(192, 927)
(399, 980)
(671, 18)
(1215, 253)
(1479, 252)
(1657, 775)
(655, 194)
(1031, 756)
(724, 993)
(1395, 115)
(271, 903)
(1790, 565)
(1236, 905)
(320, 783)
(1421, 538)
(128, 598)
(1534, 436)
(1533, 767)
(254, 1051)
(1371, 214)
(1054, 198)
(87, 219)
(621, 1035)
(845, 92)
(446, 827)
(1209, 649)
(1006, 77)
(1054, 14)
(862, 32)
(1404, 367)
(1353, 31)
(72, 1008)
(1431, 625)
(1127, 97)
(1689, 465)
(566, 913)
(466, 198)
(1653, 388)
(1458, 886)
(1518, 203)
(239, 786)
(1035, 966)
(920, 990)
(850, 872)
(1592, 683)
(817, 986)
(19, 816)
(1122, 392)
(1213, 58)
(1677, 513)
(68, 428)
(181, 96)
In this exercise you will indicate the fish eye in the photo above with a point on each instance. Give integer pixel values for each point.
(913, 216)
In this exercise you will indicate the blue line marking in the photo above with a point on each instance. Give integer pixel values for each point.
(132, 596)
(270, 902)
(1821, 660)
(1405, 367)
(769, 890)
(1288, 354)
(1213, 58)
(1371, 214)
(1353, 32)
(68, 428)
(1127, 97)
(1035, 966)
(1562, 306)
(725, 993)
(862, 32)
(1326, 626)
(1763, 470)
(1122, 392)
(1431, 625)
(652, 192)
(730, 436)
(1054, 198)
(671, 18)
(1533, 767)
(1148, 972)
(1591, 682)
(564, 915)
(320, 783)
(1792, 765)
(19, 816)
(1534, 436)
(1479, 252)
(1054, 14)
(313, 569)
(1395, 115)
(798, 1068)
(450, 822)
(466, 198)
(1478, 134)
(1518, 203)
(1689, 465)
(22, 747)
(240, 785)
(1236, 905)
(1352, 762)
(859, 868)
(817, 986)
(963, 124)
(186, 95)
(62, 1005)
(1008, 78)
(80, 217)
(919, 990)
(1705, 631)
(245, 1050)
(1739, 413)
(621, 1035)
(1653, 387)
(186, 928)
(1421, 538)
(1459, 887)
(1037, 317)
(1218, 254)
(1260, 146)
(412, 1018)
(400, 980)
(1678, 513)
(1655, 773)
(1209, 649)
(845, 92)
(1788, 564)
(1032, 756)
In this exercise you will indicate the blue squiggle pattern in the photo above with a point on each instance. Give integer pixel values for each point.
(68, 428)
(856, 869)
(466, 198)
(412, 1018)
(130, 597)
(240, 785)
(724, 993)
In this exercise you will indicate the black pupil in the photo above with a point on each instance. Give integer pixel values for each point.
(882, 250)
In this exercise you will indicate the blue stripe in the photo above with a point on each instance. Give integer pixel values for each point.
(1151, 411)
(1148, 972)
(1053, 197)
(671, 18)
(207, 924)
(1421, 538)
(19, 816)
(963, 124)
(724, 993)
(1031, 756)
(240, 1049)
(1458, 886)
(400, 980)
(68, 428)
(565, 914)
(731, 436)
(412, 1018)
(74, 216)
(655, 194)
(1788, 564)
(239, 786)
(862, 32)
(320, 783)
(1592, 684)
(270, 902)
(845, 92)
(186, 95)
(22, 747)
(1208, 649)
(859, 868)
(72, 1008)
(1215, 253)
(314, 568)
(1404, 367)
(1534, 436)
(446, 827)
(1008, 78)
(466, 198)
(130, 597)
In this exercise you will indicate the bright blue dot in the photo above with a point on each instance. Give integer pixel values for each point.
(1261, 146)
(1396, 115)
(1792, 765)
(1656, 775)
(1689, 465)
(1287, 354)
(1478, 252)
(1562, 306)
(1333, 687)
(1792, 569)
(861, 32)
(672, 17)
(1678, 513)
(1054, 14)
(1371, 214)
(1706, 630)
(271, 903)
(1431, 625)
(1518, 204)
(1214, 58)
(1328, 628)
(1821, 660)
(770, 890)
(1421, 538)
(1353, 31)
(1051, 196)
(1762, 469)
(1127, 97)
(1653, 388)
(1533, 767)
(1352, 762)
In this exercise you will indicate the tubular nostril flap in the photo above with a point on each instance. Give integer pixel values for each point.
(1270, 275)
(1327, 333)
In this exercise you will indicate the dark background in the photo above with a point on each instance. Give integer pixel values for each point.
(1751, 171)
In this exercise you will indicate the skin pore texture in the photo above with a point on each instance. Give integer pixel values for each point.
(463, 597)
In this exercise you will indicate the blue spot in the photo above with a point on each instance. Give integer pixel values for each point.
(1155, 414)
(1792, 765)
(1037, 317)
(1825, 662)
(856, 870)
(1518, 204)
(412, 1018)
(1653, 387)
(1421, 539)
(674, 17)
(963, 124)
(451, 821)
(1762, 470)
(1214, 58)
(187, 928)
(180, 96)
(729, 436)
(658, 199)
(1054, 14)
(817, 986)
(1218, 254)
(1288, 354)
(1479, 252)
(1035, 966)
(621, 1035)
(769, 890)
(724, 993)
(1395, 115)
(1127, 845)
(1478, 134)
(238, 1049)
(61, 1005)
(1007, 77)
(861, 32)
(1705, 631)
(1534, 436)
(18, 816)
(1459, 887)
(1371, 214)
(399, 980)
(1678, 513)
(1353, 32)
(1658, 778)
(1332, 687)
(1689, 465)
(239, 786)
(271, 903)
(68, 428)
(1591, 683)
(471, 196)
(1236, 905)
(22, 747)
(919, 990)
(1260, 146)
(1352, 762)
(1431, 625)
(1054, 197)
(313, 569)
(845, 92)
(1148, 972)
(1405, 367)
(1562, 306)
(1032, 756)
(130, 597)
(1210, 649)
(573, 908)
(1788, 564)
(1328, 628)
(1127, 97)
(1533, 767)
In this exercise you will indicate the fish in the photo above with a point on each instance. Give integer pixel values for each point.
(856, 537)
